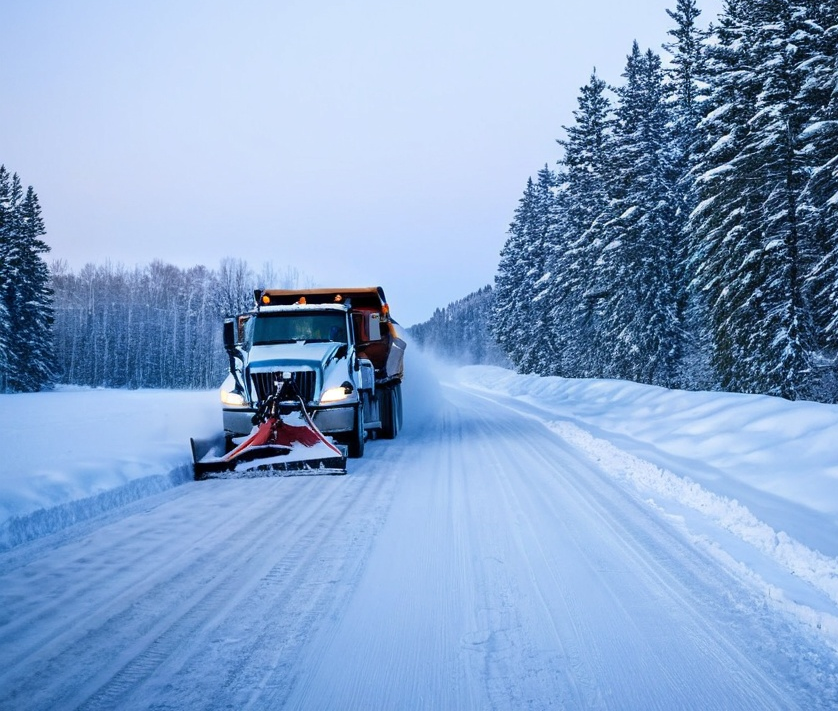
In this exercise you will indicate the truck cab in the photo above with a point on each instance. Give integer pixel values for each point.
(342, 349)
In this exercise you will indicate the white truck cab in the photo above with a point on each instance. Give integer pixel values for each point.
(341, 347)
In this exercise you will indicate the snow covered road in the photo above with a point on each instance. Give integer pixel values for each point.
(479, 561)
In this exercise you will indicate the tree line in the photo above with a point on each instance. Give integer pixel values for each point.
(688, 235)
(461, 331)
(154, 326)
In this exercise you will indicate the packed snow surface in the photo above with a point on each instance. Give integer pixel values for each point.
(524, 543)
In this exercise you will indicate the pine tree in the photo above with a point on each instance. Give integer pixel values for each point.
(34, 301)
(542, 352)
(688, 71)
(777, 152)
(686, 90)
(639, 231)
(5, 278)
(819, 201)
(24, 289)
(583, 195)
(747, 222)
(521, 320)
(720, 256)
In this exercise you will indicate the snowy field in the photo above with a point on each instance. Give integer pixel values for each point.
(462, 508)
(73, 453)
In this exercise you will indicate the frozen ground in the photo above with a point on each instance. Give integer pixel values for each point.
(524, 543)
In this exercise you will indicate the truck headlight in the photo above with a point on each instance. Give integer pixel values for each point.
(341, 392)
(232, 398)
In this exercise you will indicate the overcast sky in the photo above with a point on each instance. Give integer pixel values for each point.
(363, 142)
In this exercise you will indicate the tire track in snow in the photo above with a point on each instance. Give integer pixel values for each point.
(99, 590)
(258, 543)
(236, 569)
(397, 642)
(520, 667)
(125, 609)
(324, 574)
(446, 629)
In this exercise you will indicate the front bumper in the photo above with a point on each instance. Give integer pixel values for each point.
(238, 421)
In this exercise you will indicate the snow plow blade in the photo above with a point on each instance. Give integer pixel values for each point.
(282, 444)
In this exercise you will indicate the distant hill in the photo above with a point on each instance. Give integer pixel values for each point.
(460, 331)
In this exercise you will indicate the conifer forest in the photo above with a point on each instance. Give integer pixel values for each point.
(461, 331)
(688, 236)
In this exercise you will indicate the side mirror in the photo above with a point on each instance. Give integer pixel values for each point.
(230, 334)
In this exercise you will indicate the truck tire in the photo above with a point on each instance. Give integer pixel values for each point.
(389, 413)
(356, 439)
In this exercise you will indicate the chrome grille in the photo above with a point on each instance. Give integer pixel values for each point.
(305, 380)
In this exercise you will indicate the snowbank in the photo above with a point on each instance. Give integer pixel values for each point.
(71, 454)
(753, 479)
(780, 458)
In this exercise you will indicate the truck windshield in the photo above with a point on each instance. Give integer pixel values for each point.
(319, 327)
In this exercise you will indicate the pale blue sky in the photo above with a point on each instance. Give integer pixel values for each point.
(364, 142)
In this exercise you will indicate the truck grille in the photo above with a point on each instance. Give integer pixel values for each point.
(305, 380)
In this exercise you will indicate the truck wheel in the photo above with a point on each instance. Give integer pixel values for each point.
(356, 439)
(389, 413)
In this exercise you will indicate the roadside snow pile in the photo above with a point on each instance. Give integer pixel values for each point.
(752, 478)
(71, 454)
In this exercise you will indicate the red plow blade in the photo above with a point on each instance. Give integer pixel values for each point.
(277, 446)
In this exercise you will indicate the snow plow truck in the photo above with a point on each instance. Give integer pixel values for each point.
(313, 374)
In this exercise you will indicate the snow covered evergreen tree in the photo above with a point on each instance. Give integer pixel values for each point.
(583, 195)
(507, 307)
(639, 232)
(521, 320)
(687, 73)
(34, 306)
(819, 202)
(5, 279)
(686, 91)
(718, 252)
(747, 223)
(24, 290)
